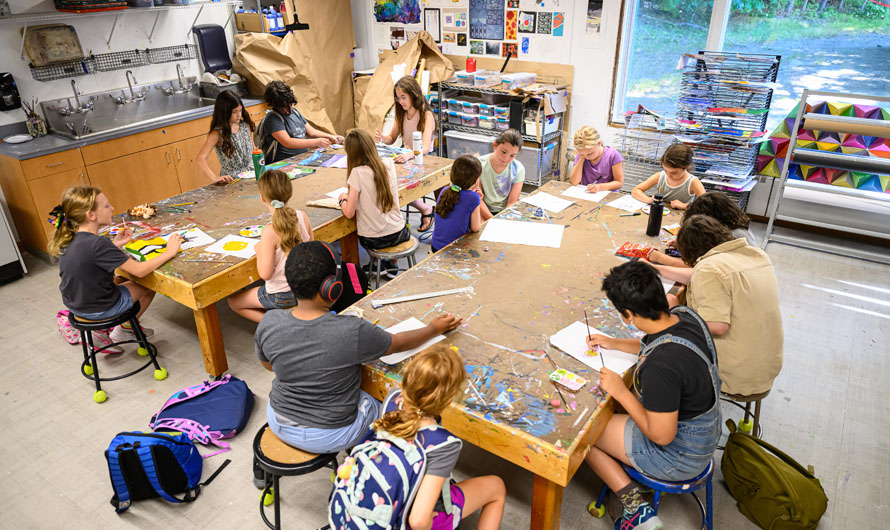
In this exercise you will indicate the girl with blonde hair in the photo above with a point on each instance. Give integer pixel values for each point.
(430, 382)
(597, 166)
(87, 262)
(288, 229)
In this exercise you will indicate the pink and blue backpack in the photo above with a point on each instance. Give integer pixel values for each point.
(208, 413)
(377, 483)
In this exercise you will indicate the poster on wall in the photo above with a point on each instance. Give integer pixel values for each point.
(509, 49)
(477, 47)
(524, 45)
(403, 11)
(432, 23)
(559, 21)
(526, 22)
(594, 16)
(461, 39)
(487, 19)
(510, 25)
(512, 4)
(492, 48)
(449, 37)
(545, 23)
(454, 20)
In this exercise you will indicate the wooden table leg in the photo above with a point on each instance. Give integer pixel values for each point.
(546, 504)
(349, 248)
(210, 336)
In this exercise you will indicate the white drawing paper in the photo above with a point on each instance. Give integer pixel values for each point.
(580, 192)
(523, 233)
(192, 238)
(337, 192)
(626, 203)
(544, 200)
(408, 325)
(573, 340)
(245, 243)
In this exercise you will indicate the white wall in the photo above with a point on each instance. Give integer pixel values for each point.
(593, 56)
(130, 33)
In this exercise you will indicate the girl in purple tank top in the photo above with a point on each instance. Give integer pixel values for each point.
(597, 166)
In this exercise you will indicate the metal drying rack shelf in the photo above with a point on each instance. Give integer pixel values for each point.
(107, 62)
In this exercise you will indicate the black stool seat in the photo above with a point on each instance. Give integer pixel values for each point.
(89, 368)
(277, 459)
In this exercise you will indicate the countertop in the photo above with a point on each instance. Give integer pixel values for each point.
(51, 143)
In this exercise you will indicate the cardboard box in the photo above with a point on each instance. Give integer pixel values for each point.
(252, 22)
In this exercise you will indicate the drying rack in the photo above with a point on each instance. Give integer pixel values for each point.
(107, 62)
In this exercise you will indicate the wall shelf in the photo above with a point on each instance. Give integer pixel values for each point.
(61, 15)
(108, 62)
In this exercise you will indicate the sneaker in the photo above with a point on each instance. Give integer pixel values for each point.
(644, 518)
(101, 342)
(120, 333)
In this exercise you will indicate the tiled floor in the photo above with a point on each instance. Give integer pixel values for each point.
(829, 408)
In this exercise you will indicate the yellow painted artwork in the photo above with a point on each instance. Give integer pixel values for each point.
(235, 246)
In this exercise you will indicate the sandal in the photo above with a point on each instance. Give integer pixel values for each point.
(423, 216)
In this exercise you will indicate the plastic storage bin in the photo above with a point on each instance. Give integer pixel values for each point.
(517, 80)
(501, 112)
(468, 107)
(487, 122)
(181, 2)
(461, 143)
(454, 117)
(469, 120)
(487, 78)
(502, 124)
(533, 157)
(454, 105)
(488, 110)
(464, 78)
(551, 124)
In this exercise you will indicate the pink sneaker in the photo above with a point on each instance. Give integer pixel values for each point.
(120, 333)
(101, 341)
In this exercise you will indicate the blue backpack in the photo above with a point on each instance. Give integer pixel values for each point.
(383, 475)
(207, 413)
(149, 465)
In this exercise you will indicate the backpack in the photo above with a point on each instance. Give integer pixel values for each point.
(148, 465)
(355, 286)
(71, 335)
(770, 488)
(382, 476)
(259, 134)
(207, 413)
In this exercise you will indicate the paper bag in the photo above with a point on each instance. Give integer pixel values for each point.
(378, 96)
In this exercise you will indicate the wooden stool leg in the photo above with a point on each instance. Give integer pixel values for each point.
(756, 429)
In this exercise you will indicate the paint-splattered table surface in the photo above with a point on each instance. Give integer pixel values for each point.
(521, 296)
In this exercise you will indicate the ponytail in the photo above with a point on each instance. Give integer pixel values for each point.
(68, 216)
(403, 422)
(464, 173)
(361, 151)
(274, 185)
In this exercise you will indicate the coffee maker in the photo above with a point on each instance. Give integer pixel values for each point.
(9, 94)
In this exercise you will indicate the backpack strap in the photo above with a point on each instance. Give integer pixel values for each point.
(195, 431)
(151, 472)
(273, 145)
(188, 393)
(353, 277)
(121, 498)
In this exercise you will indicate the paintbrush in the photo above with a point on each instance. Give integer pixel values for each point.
(558, 391)
(555, 367)
(588, 334)
(182, 203)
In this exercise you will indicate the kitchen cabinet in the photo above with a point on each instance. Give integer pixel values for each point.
(139, 178)
(47, 192)
(184, 155)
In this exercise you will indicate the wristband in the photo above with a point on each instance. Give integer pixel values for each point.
(340, 202)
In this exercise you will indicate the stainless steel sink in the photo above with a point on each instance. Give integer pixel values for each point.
(113, 111)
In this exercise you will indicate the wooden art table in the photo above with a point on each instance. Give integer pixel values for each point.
(521, 296)
(199, 279)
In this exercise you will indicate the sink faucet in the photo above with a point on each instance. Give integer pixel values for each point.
(76, 94)
(80, 108)
(179, 74)
(183, 88)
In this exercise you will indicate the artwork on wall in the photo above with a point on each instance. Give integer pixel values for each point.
(487, 19)
(455, 20)
(492, 48)
(524, 45)
(432, 24)
(512, 4)
(477, 47)
(403, 11)
(449, 37)
(526, 22)
(461, 39)
(559, 20)
(510, 25)
(594, 15)
(545, 23)
(509, 49)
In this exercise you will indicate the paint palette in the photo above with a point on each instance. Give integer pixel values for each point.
(566, 379)
(251, 231)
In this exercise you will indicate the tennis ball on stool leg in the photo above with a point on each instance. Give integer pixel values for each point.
(746, 426)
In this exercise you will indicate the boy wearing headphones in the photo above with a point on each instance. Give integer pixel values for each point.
(316, 403)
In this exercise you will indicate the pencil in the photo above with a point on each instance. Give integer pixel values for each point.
(182, 203)
(375, 322)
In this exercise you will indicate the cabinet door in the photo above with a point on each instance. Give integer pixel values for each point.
(46, 192)
(140, 178)
(184, 155)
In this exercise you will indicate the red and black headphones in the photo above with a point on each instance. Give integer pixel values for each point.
(331, 287)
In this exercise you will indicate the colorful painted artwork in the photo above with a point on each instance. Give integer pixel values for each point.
(524, 45)
(510, 25)
(461, 39)
(403, 11)
(487, 19)
(512, 4)
(545, 23)
(559, 20)
(526, 22)
(449, 37)
(477, 47)
(509, 49)
(492, 48)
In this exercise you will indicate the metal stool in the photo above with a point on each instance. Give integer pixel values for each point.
(747, 425)
(277, 459)
(402, 250)
(598, 509)
(90, 369)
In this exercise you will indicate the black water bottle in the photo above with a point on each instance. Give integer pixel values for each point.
(656, 211)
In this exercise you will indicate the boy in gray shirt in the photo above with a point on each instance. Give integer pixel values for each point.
(316, 403)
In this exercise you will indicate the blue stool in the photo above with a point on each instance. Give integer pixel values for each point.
(662, 486)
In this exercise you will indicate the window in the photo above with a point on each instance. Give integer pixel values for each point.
(839, 45)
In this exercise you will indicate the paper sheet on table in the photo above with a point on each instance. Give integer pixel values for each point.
(573, 340)
(580, 192)
(193, 238)
(327, 202)
(667, 284)
(544, 200)
(337, 192)
(340, 163)
(408, 325)
(232, 245)
(523, 233)
(626, 203)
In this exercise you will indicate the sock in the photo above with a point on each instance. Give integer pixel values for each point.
(630, 498)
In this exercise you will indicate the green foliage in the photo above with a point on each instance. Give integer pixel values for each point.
(699, 11)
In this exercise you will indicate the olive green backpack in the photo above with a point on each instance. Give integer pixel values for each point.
(770, 487)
